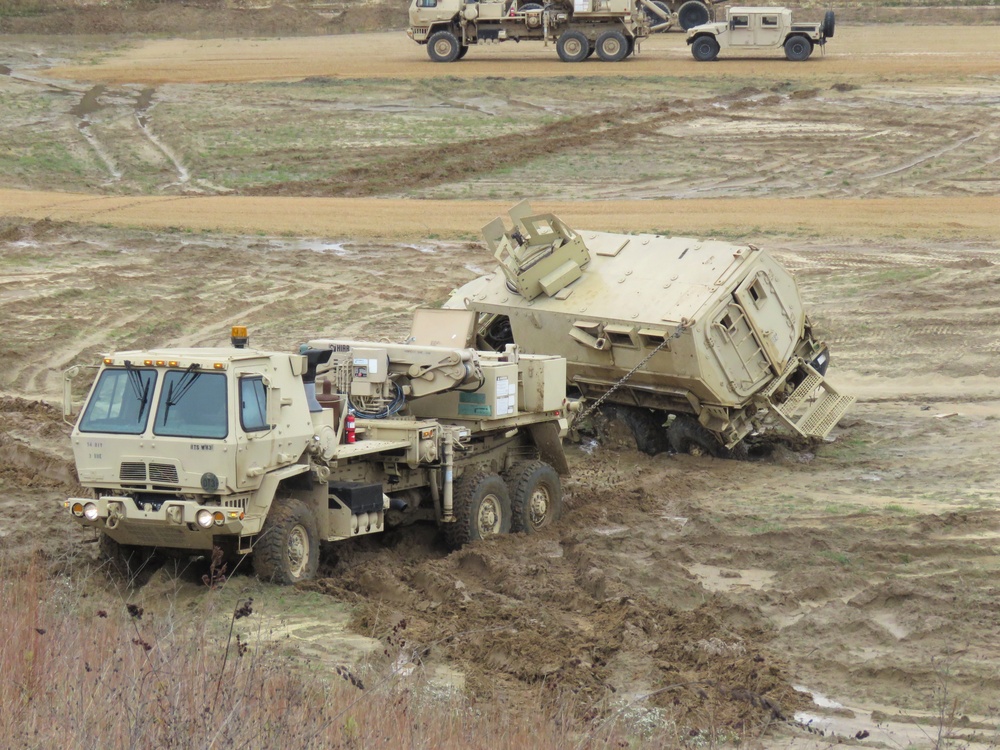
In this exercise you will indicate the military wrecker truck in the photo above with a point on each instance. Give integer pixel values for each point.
(269, 453)
(707, 337)
(757, 28)
(579, 28)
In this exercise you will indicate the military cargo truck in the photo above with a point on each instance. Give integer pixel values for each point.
(708, 336)
(579, 28)
(755, 28)
(269, 453)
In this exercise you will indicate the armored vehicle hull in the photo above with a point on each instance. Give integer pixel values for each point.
(663, 325)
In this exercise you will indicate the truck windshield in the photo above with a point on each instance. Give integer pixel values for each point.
(192, 404)
(120, 401)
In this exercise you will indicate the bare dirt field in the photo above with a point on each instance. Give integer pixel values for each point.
(284, 184)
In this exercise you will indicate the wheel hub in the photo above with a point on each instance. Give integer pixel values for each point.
(538, 507)
(298, 550)
(489, 516)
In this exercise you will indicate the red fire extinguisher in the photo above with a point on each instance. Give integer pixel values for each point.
(349, 428)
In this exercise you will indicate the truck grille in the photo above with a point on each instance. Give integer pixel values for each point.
(132, 472)
(163, 473)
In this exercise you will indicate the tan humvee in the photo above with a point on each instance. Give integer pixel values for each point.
(749, 28)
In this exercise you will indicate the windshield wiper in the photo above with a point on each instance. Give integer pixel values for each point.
(139, 388)
(183, 386)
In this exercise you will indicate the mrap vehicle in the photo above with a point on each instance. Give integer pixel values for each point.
(707, 336)
(267, 453)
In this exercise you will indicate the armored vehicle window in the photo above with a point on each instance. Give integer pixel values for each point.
(120, 402)
(769, 21)
(253, 404)
(740, 22)
(192, 404)
(427, 3)
(757, 291)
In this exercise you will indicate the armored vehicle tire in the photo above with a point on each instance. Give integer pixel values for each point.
(798, 48)
(655, 20)
(646, 426)
(612, 46)
(692, 13)
(535, 496)
(688, 435)
(443, 46)
(482, 509)
(135, 565)
(288, 549)
(572, 46)
(462, 51)
(705, 49)
(829, 24)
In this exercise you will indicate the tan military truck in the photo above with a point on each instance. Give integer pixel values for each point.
(270, 453)
(579, 28)
(750, 28)
(707, 336)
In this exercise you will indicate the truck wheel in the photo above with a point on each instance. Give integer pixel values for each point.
(535, 496)
(612, 46)
(529, 6)
(829, 24)
(704, 49)
(688, 435)
(288, 549)
(798, 48)
(692, 13)
(482, 509)
(135, 565)
(655, 20)
(572, 46)
(462, 51)
(443, 46)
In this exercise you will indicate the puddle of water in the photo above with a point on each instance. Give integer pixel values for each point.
(724, 579)
(89, 103)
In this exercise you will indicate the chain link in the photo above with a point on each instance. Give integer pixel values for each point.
(681, 327)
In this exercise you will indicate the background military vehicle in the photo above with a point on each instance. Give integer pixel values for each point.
(748, 28)
(187, 450)
(579, 28)
(713, 334)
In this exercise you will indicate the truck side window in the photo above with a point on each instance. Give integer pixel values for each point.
(741, 22)
(427, 3)
(253, 404)
(769, 21)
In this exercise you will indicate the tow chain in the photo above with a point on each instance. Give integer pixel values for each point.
(681, 327)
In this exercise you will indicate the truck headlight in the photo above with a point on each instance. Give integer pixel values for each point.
(204, 518)
(77, 510)
(90, 512)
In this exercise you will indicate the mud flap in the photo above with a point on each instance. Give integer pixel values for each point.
(549, 444)
(814, 407)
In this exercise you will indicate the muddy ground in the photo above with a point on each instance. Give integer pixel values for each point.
(863, 569)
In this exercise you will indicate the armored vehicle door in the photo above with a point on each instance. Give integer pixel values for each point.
(767, 29)
(773, 323)
(740, 33)
(734, 343)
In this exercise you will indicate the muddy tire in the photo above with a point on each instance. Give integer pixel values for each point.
(829, 24)
(535, 496)
(131, 564)
(798, 48)
(692, 13)
(482, 509)
(704, 49)
(443, 46)
(572, 46)
(612, 46)
(688, 435)
(288, 549)
(645, 426)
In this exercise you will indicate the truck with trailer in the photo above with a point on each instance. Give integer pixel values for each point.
(266, 454)
(612, 29)
(760, 28)
(694, 344)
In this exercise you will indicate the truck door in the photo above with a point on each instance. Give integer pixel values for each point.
(768, 29)
(255, 446)
(740, 33)
(775, 325)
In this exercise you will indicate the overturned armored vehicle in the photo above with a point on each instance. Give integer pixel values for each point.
(707, 339)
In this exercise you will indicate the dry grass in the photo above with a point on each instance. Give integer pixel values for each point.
(77, 670)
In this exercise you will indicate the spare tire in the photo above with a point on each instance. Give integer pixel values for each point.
(692, 13)
(829, 24)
